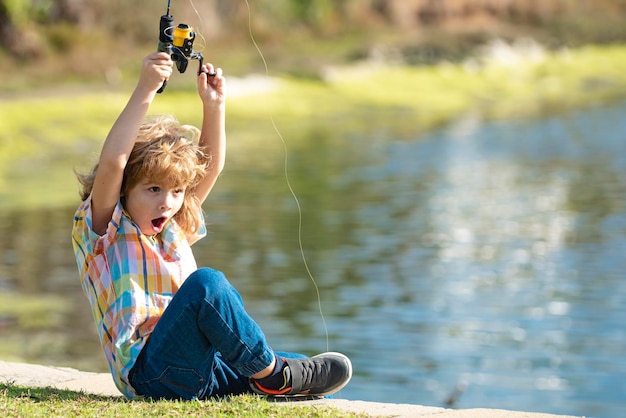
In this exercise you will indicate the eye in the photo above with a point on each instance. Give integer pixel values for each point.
(154, 189)
(179, 191)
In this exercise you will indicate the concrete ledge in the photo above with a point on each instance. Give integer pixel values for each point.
(33, 375)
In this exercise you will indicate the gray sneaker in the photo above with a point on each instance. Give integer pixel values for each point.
(319, 375)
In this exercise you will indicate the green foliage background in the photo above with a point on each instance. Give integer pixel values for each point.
(67, 67)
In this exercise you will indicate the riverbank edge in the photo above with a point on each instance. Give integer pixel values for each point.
(64, 378)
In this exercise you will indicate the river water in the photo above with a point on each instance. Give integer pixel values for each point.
(480, 265)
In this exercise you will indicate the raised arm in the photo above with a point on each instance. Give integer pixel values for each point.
(119, 143)
(212, 91)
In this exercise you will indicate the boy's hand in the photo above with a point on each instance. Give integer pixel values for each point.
(155, 69)
(211, 88)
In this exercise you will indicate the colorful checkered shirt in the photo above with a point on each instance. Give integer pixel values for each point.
(129, 279)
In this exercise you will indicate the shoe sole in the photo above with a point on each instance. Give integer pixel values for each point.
(293, 398)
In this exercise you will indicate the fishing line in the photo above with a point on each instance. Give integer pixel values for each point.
(200, 30)
(286, 160)
(293, 193)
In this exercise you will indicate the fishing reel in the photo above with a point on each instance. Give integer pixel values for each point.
(178, 43)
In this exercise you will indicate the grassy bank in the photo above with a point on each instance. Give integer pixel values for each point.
(16, 401)
(48, 133)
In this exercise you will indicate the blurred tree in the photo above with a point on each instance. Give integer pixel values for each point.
(31, 28)
(313, 12)
(7, 29)
(14, 35)
(71, 11)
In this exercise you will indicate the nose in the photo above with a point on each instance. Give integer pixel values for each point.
(167, 201)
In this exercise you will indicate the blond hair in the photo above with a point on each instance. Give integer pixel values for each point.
(165, 152)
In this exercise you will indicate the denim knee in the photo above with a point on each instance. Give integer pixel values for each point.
(209, 284)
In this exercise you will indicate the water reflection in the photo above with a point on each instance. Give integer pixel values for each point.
(483, 257)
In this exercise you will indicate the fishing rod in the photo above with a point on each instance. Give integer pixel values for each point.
(177, 41)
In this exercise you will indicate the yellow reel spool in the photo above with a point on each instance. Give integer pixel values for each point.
(181, 33)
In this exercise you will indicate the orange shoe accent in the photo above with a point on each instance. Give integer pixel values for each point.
(271, 391)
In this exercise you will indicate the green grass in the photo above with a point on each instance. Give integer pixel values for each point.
(421, 98)
(17, 401)
(44, 136)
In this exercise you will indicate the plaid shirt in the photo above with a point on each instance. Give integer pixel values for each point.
(129, 279)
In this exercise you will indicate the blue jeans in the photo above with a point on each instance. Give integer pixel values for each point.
(205, 344)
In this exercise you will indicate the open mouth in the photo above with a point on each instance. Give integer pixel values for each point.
(158, 223)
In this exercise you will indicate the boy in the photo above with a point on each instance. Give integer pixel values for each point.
(170, 330)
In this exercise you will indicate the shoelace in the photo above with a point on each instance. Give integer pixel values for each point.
(314, 373)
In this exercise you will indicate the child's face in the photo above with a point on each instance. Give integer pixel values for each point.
(152, 205)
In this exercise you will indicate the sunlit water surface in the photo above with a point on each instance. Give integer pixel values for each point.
(481, 265)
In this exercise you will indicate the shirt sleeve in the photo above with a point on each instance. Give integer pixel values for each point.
(86, 241)
(83, 237)
(200, 233)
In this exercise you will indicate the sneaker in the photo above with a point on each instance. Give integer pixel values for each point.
(320, 375)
